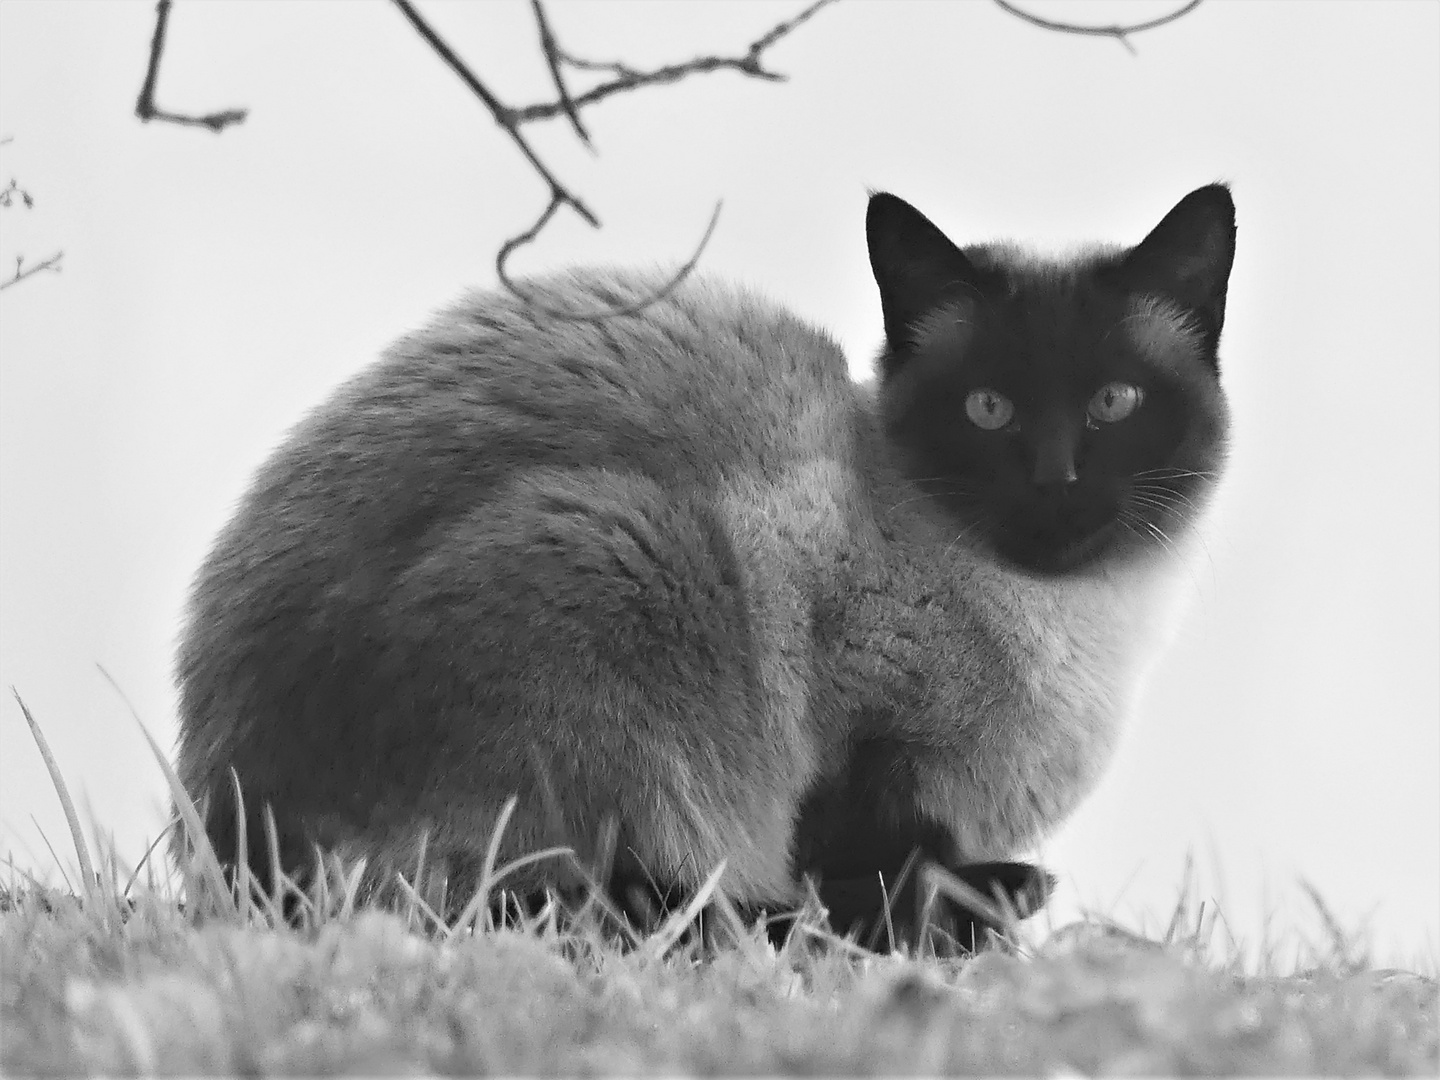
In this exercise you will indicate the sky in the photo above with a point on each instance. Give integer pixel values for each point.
(214, 288)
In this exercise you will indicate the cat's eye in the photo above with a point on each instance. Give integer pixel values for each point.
(1114, 401)
(989, 410)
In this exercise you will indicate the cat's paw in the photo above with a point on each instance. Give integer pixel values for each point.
(1014, 888)
(961, 905)
(952, 907)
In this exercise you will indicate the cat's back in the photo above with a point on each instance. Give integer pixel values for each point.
(709, 382)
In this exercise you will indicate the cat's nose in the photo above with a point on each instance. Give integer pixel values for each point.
(1054, 464)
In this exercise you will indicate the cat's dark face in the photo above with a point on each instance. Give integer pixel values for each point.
(1065, 413)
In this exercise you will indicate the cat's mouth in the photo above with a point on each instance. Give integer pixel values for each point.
(1056, 548)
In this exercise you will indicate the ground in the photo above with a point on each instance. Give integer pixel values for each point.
(122, 977)
(366, 990)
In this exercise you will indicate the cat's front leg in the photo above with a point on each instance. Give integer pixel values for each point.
(872, 852)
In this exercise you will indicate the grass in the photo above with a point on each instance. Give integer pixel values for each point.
(119, 977)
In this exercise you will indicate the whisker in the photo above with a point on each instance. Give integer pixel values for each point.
(913, 498)
(1146, 499)
(1165, 495)
(1165, 542)
(1154, 530)
(955, 488)
(1124, 520)
(1165, 491)
(1162, 539)
(1188, 564)
(964, 534)
(1171, 473)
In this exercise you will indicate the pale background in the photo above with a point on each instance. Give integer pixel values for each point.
(214, 288)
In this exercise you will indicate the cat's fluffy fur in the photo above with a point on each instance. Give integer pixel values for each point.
(674, 570)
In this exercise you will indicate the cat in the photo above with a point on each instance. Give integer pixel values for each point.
(693, 596)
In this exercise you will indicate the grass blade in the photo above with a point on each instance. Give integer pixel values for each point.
(149, 851)
(195, 828)
(241, 881)
(53, 855)
(675, 926)
(82, 851)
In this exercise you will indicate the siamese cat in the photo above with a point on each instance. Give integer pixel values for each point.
(675, 572)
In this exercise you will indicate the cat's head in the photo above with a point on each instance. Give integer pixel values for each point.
(1066, 413)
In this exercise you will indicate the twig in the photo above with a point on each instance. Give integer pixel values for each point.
(1120, 33)
(623, 78)
(11, 190)
(8, 195)
(145, 107)
(553, 59)
(511, 120)
(22, 271)
(504, 116)
(628, 78)
(516, 242)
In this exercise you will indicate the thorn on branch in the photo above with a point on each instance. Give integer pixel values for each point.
(145, 107)
(1120, 33)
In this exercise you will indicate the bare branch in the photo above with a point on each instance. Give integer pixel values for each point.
(520, 241)
(8, 197)
(553, 59)
(22, 271)
(516, 242)
(503, 115)
(510, 120)
(775, 33)
(145, 107)
(628, 78)
(1120, 33)
(11, 191)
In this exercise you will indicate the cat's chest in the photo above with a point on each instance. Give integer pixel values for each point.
(1071, 645)
(1011, 695)
(1001, 654)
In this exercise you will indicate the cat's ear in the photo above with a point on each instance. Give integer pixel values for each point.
(915, 265)
(1187, 257)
